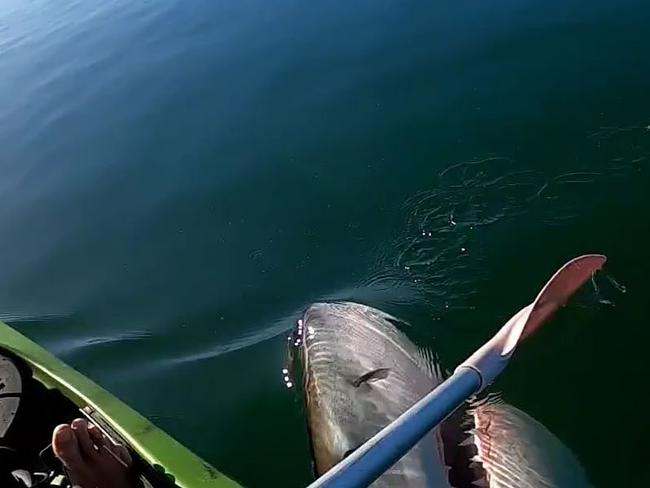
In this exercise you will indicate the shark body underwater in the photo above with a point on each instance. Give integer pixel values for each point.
(360, 373)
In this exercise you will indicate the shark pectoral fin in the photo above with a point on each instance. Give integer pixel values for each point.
(370, 376)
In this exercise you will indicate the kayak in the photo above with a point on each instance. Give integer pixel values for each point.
(38, 391)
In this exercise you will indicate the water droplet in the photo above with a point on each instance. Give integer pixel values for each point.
(616, 284)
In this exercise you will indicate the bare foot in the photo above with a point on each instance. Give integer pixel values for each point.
(91, 459)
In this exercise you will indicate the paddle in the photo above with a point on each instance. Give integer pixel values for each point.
(389, 445)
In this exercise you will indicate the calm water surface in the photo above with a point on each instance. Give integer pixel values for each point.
(179, 179)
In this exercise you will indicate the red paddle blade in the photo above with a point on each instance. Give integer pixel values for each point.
(555, 294)
(491, 358)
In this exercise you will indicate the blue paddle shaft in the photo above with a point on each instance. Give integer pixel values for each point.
(373, 458)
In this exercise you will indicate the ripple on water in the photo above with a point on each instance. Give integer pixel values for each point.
(207, 351)
(439, 254)
(243, 341)
(78, 343)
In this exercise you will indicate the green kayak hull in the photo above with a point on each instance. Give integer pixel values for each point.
(151, 443)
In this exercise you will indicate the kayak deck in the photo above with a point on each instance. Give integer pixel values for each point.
(75, 396)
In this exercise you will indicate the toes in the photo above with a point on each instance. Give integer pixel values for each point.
(123, 453)
(90, 457)
(65, 447)
(99, 439)
(96, 435)
(80, 429)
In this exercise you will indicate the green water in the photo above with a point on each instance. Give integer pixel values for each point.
(179, 179)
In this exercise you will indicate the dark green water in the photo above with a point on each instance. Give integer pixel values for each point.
(178, 180)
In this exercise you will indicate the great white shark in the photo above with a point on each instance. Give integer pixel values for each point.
(360, 372)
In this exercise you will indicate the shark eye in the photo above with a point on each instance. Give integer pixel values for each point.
(371, 376)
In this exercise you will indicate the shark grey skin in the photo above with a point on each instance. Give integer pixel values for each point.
(360, 373)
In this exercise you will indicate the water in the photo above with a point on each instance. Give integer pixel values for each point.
(180, 179)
